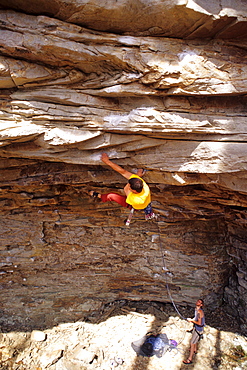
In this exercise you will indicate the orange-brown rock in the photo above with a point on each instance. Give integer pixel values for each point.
(167, 96)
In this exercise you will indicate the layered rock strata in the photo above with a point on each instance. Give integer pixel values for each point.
(155, 98)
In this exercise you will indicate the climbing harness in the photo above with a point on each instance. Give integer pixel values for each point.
(148, 216)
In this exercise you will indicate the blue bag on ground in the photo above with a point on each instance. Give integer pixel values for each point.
(151, 345)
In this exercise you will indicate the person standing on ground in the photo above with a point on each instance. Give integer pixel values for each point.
(137, 192)
(197, 332)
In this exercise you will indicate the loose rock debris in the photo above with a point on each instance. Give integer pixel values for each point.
(102, 341)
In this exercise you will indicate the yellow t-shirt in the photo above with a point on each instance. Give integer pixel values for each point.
(142, 199)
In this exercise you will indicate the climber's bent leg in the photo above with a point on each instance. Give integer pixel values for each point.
(113, 197)
(149, 214)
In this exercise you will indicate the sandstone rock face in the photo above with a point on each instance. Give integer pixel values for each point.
(171, 18)
(163, 88)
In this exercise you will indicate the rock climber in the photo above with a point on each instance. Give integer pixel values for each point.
(197, 332)
(137, 192)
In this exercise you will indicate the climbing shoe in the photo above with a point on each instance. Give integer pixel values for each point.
(93, 194)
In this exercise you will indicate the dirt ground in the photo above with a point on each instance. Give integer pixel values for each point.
(103, 340)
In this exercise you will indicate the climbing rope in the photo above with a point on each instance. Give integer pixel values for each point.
(166, 271)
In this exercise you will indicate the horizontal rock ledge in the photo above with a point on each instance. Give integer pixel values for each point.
(168, 156)
(177, 66)
(207, 19)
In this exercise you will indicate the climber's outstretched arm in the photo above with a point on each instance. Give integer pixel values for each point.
(115, 167)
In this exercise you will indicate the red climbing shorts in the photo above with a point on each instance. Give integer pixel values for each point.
(113, 197)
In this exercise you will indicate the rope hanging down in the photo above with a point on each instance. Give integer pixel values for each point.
(166, 271)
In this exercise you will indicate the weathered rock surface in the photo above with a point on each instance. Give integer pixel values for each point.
(150, 94)
(103, 342)
(170, 18)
